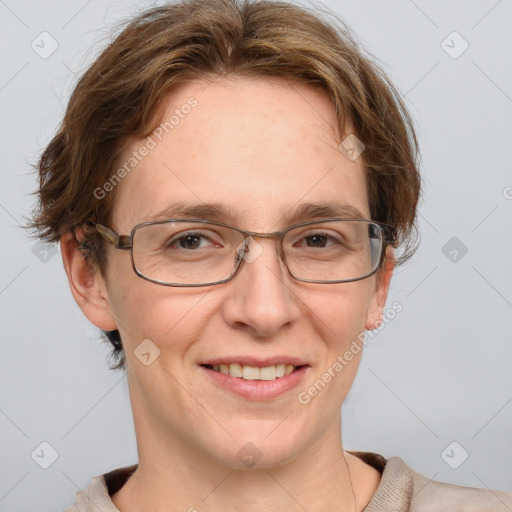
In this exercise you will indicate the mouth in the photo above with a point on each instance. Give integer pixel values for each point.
(247, 372)
(257, 381)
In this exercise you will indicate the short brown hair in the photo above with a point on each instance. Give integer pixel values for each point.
(119, 96)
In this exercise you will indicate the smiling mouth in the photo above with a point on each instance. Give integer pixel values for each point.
(253, 372)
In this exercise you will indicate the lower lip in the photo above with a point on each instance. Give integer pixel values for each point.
(258, 390)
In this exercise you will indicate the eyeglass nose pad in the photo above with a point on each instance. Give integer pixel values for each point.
(241, 250)
(249, 250)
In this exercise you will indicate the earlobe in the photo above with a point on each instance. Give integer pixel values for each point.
(378, 301)
(87, 286)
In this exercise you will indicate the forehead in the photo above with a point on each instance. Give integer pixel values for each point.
(260, 147)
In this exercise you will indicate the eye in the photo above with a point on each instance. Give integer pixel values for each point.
(317, 240)
(320, 239)
(191, 240)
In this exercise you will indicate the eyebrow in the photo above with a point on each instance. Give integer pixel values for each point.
(220, 212)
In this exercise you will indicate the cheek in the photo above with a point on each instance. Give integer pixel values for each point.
(340, 315)
(341, 309)
(143, 310)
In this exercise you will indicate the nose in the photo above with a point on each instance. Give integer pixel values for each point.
(260, 298)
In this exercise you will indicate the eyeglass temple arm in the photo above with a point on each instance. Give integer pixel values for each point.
(391, 237)
(118, 241)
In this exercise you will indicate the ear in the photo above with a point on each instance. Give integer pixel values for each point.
(87, 285)
(378, 300)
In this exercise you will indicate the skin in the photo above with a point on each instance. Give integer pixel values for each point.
(260, 146)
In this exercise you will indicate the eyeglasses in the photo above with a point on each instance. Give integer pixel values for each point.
(179, 252)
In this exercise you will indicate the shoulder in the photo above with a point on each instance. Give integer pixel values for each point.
(98, 495)
(94, 498)
(401, 489)
(431, 495)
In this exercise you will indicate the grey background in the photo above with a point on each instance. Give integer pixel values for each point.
(439, 372)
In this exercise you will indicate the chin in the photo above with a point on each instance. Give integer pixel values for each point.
(257, 449)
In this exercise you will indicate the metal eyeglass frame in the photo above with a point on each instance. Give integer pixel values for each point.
(125, 242)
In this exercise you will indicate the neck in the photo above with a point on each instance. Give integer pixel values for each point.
(174, 475)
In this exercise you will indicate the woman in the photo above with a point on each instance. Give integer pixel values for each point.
(232, 187)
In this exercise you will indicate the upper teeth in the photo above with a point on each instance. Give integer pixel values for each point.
(253, 372)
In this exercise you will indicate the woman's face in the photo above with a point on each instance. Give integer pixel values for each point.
(261, 148)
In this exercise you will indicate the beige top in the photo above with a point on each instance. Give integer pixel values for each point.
(400, 490)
